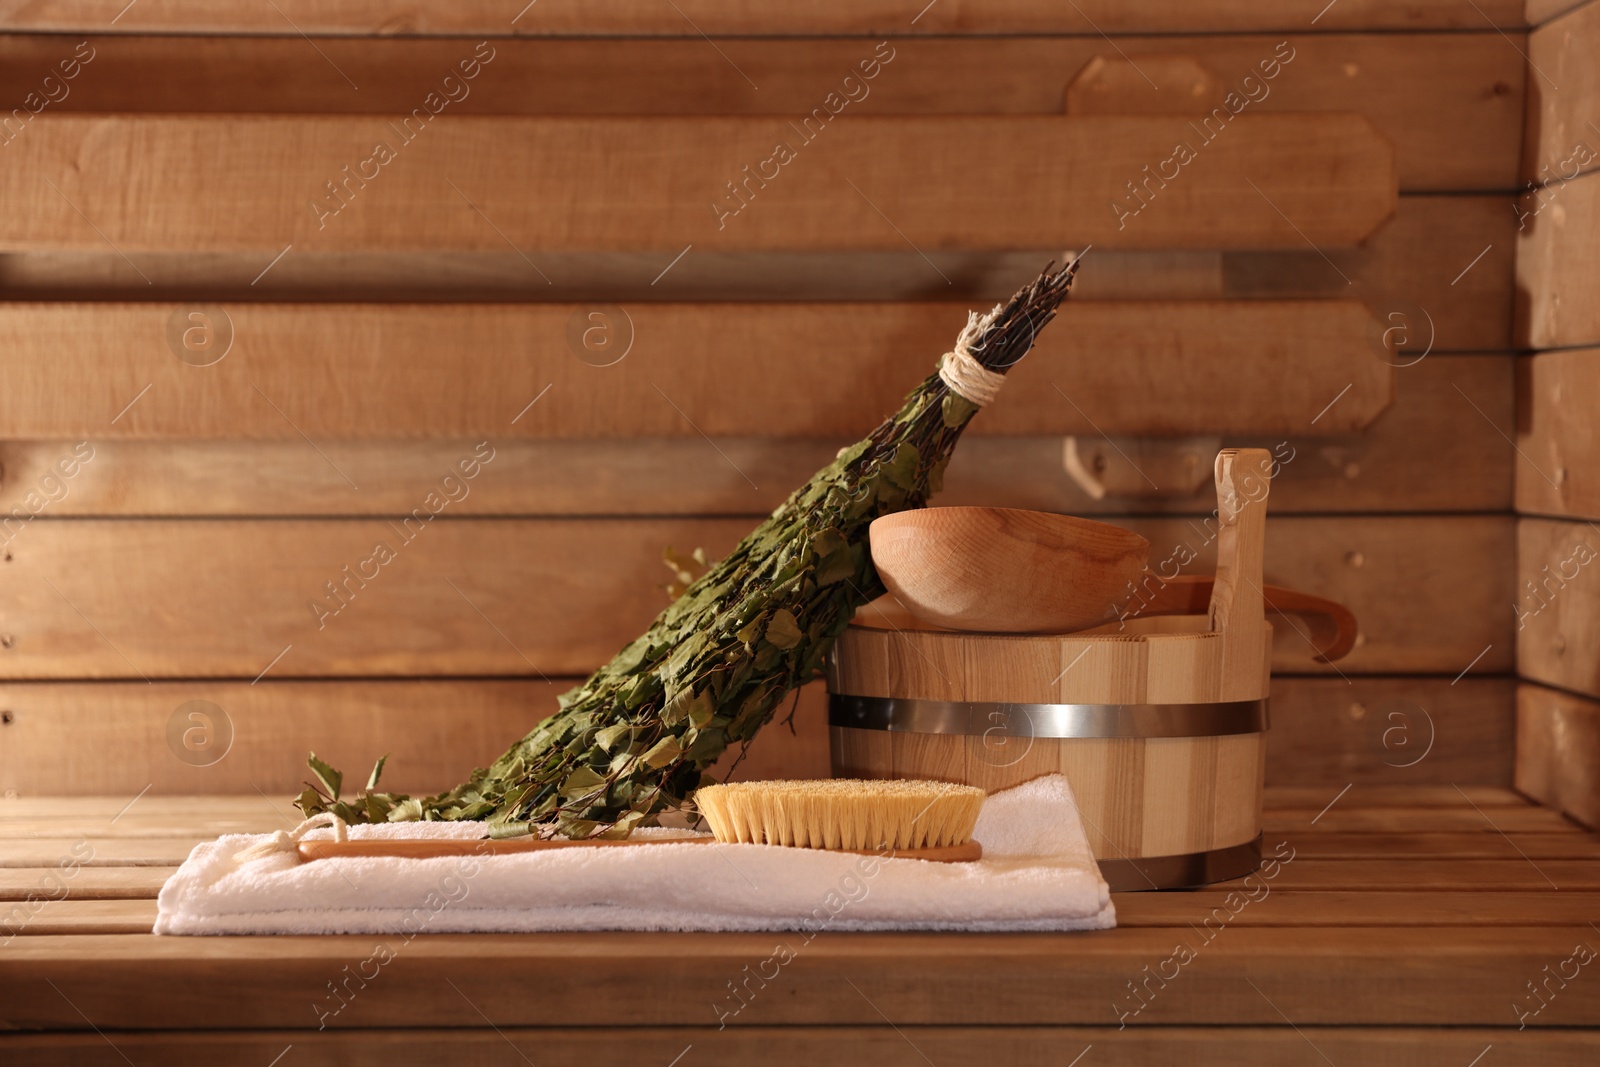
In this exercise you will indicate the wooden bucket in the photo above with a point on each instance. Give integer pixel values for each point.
(1159, 723)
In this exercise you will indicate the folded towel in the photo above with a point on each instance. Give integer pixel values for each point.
(1037, 874)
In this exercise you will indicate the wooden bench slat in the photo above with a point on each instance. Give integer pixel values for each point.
(1313, 975)
(261, 183)
(82, 883)
(51, 852)
(1432, 875)
(1455, 844)
(1567, 909)
(1417, 820)
(99, 808)
(1336, 908)
(75, 916)
(263, 816)
(740, 1044)
(1401, 877)
(1315, 797)
(798, 370)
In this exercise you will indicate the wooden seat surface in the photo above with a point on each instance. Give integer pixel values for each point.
(1406, 928)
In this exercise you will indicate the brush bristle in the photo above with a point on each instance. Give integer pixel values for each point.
(842, 813)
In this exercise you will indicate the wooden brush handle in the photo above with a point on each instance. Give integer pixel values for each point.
(434, 848)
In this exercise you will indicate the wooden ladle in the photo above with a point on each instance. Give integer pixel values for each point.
(1005, 570)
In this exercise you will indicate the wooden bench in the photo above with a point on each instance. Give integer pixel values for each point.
(1406, 925)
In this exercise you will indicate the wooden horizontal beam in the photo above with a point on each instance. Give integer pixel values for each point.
(233, 737)
(236, 738)
(665, 370)
(1413, 273)
(1556, 603)
(1558, 466)
(693, 17)
(1430, 451)
(1375, 733)
(1558, 751)
(1440, 273)
(265, 184)
(1450, 103)
(235, 598)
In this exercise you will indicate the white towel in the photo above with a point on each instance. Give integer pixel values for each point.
(1037, 874)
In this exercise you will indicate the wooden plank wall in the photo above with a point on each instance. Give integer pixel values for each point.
(562, 329)
(1557, 605)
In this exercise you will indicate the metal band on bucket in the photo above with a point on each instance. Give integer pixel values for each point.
(987, 719)
(1177, 872)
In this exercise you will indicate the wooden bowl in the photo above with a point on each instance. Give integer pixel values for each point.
(1003, 570)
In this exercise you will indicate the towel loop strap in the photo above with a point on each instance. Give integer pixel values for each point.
(282, 841)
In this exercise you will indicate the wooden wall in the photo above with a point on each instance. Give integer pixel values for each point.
(1557, 605)
(232, 370)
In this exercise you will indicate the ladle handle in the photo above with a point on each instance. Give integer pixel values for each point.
(1329, 626)
(1244, 478)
